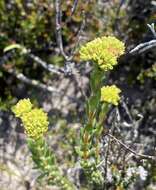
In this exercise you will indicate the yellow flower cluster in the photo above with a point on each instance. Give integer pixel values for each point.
(35, 121)
(110, 94)
(22, 107)
(104, 51)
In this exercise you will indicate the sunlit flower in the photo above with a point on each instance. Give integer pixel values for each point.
(104, 51)
(35, 121)
(22, 107)
(110, 94)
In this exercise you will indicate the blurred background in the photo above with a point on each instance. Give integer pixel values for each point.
(52, 76)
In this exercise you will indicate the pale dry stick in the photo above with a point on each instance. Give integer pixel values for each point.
(48, 67)
(147, 48)
(58, 20)
(74, 7)
(142, 156)
(125, 107)
(58, 23)
(143, 47)
(152, 29)
(106, 161)
(39, 85)
(114, 123)
(38, 60)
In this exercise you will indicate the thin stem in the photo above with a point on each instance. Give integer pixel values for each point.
(37, 84)
(58, 20)
(143, 47)
(74, 7)
(142, 156)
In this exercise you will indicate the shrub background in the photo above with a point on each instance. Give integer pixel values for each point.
(32, 24)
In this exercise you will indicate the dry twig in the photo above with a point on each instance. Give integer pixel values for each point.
(74, 7)
(48, 67)
(58, 20)
(143, 47)
(39, 85)
(142, 156)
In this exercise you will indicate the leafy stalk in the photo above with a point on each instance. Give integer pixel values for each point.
(45, 161)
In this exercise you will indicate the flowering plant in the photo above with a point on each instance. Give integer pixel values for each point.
(104, 53)
(35, 122)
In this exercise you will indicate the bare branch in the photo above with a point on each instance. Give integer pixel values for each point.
(58, 23)
(58, 20)
(143, 47)
(106, 159)
(39, 85)
(143, 156)
(74, 7)
(152, 29)
(32, 82)
(50, 68)
(127, 111)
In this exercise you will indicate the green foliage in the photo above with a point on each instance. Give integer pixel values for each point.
(96, 111)
(29, 21)
(147, 73)
(31, 26)
(69, 140)
(46, 162)
(36, 124)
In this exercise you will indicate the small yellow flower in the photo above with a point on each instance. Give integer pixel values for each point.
(104, 51)
(110, 94)
(22, 107)
(35, 123)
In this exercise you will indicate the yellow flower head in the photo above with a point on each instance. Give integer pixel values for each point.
(110, 94)
(22, 107)
(104, 51)
(35, 121)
